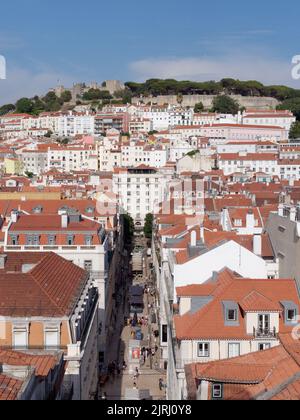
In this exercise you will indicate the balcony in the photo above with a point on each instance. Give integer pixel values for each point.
(264, 332)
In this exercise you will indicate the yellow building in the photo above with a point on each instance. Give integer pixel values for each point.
(13, 166)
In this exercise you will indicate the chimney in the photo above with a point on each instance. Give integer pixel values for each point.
(257, 245)
(193, 238)
(14, 216)
(3, 259)
(64, 220)
(250, 221)
(215, 276)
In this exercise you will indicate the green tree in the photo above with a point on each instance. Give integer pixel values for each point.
(48, 134)
(292, 105)
(5, 109)
(38, 106)
(199, 107)
(128, 227)
(24, 106)
(29, 174)
(148, 228)
(64, 141)
(295, 130)
(52, 102)
(193, 153)
(225, 104)
(66, 96)
(94, 94)
(125, 96)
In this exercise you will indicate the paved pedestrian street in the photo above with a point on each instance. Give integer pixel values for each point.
(128, 381)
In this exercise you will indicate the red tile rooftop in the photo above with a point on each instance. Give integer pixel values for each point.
(50, 289)
(39, 222)
(208, 322)
(269, 375)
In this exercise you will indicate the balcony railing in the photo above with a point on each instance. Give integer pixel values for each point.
(264, 332)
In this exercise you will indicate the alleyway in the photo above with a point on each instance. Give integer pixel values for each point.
(117, 386)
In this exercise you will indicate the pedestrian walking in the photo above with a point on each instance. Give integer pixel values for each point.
(161, 384)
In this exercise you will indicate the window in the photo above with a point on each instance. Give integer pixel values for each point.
(203, 350)
(217, 391)
(15, 240)
(291, 315)
(88, 240)
(20, 337)
(231, 315)
(70, 240)
(51, 338)
(264, 346)
(164, 333)
(88, 265)
(36, 240)
(233, 350)
(51, 240)
(264, 323)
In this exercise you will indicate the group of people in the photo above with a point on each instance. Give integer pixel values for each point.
(148, 352)
(140, 322)
(149, 291)
(116, 368)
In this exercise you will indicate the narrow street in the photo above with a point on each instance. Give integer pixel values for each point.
(144, 378)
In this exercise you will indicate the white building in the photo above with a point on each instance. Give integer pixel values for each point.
(140, 190)
(227, 317)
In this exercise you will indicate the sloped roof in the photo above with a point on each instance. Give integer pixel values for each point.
(255, 301)
(50, 289)
(208, 322)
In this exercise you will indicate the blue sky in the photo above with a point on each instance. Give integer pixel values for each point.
(46, 41)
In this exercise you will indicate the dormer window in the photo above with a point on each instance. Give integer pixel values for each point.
(238, 222)
(15, 240)
(90, 210)
(70, 240)
(88, 240)
(291, 315)
(217, 391)
(231, 315)
(37, 210)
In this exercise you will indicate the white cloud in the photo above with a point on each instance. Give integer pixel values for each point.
(24, 83)
(240, 65)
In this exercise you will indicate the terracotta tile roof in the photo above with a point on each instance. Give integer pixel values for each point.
(208, 322)
(234, 372)
(9, 387)
(192, 290)
(42, 363)
(50, 289)
(47, 222)
(270, 374)
(255, 302)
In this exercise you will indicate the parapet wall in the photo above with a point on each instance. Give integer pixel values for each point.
(207, 100)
